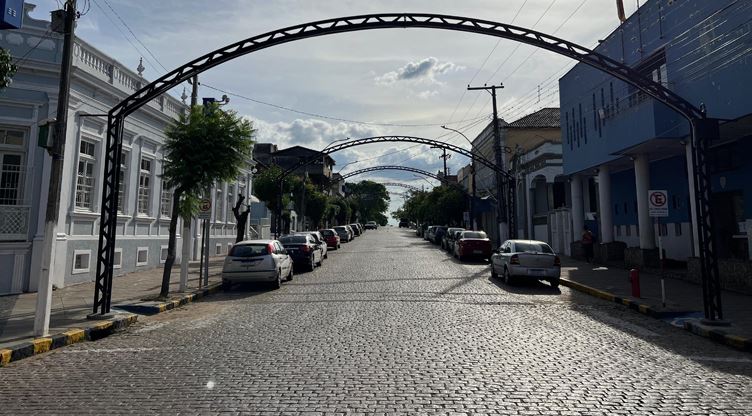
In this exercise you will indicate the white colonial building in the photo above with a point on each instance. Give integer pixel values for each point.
(98, 83)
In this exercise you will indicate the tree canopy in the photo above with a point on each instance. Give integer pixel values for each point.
(7, 68)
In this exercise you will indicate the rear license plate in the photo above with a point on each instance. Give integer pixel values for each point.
(536, 272)
(477, 251)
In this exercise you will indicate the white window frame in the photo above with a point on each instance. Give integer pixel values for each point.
(14, 150)
(81, 270)
(88, 160)
(218, 207)
(229, 247)
(218, 249)
(119, 264)
(139, 251)
(123, 181)
(149, 176)
(162, 201)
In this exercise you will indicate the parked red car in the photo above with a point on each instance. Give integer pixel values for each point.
(331, 237)
(473, 244)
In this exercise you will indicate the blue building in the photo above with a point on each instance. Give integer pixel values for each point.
(619, 143)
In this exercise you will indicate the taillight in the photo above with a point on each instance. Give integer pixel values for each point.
(306, 249)
(515, 259)
(557, 261)
(461, 243)
(270, 248)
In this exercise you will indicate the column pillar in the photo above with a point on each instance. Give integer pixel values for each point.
(604, 196)
(578, 215)
(695, 247)
(642, 182)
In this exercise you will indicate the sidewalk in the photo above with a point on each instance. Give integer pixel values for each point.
(683, 299)
(71, 304)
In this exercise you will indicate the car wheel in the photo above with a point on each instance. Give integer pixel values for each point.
(226, 285)
(321, 260)
(326, 256)
(312, 266)
(555, 283)
(278, 281)
(290, 275)
(507, 277)
(494, 275)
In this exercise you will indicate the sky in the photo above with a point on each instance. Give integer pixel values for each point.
(354, 85)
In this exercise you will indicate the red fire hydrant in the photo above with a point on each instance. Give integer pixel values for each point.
(634, 280)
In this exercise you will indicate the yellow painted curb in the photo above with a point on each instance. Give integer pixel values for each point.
(102, 325)
(737, 341)
(41, 345)
(5, 356)
(644, 309)
(74, 335)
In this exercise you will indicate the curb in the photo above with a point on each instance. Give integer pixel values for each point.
(734, 341)
(72, 336)
(153, 308)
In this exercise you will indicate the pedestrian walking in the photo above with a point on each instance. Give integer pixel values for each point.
(587, 244)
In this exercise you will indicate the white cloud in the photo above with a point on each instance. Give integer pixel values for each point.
(311, 133)
(425, 71)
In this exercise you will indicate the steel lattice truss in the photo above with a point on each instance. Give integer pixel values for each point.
(390, 167)
(116, 119)
(404, 139)
(402, 185)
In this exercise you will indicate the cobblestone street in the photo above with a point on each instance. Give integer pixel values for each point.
(390, 324)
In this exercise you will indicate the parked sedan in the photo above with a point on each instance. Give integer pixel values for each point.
(351, 229)
(438, 234)
(343, 233)
(447, 243)
(319, 242)
(332, 238)
(472, 244)
(526, 259)
(371, 225)
(303, 250)
(356, 229)
(257, 261)
(429, 234)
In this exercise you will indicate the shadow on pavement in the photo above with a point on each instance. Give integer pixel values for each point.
(670, 339)
(526, 287)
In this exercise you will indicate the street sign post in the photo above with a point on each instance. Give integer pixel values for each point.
(658, 208)
(204, 209)
(658, 203)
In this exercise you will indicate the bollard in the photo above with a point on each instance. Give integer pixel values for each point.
(634, 280)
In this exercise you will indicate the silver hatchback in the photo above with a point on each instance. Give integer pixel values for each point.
(257, 261)
(526, 259)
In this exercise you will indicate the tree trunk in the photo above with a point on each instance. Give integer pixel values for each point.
(241, 219)
(165, 290)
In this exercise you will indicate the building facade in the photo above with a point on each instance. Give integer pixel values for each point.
(98, 83)
(620, 144)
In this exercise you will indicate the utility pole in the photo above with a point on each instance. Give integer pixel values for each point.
(44, 295)
(444, 156)
(187, 221)
(499, 160)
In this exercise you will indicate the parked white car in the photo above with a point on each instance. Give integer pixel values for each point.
(261, 261)
(526, 259)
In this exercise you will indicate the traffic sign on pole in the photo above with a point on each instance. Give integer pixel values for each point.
(204, 209)
(658, 203)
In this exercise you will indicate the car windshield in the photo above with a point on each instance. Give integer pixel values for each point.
(532, 248)
(473, 234)
(249, 250)
(327, 233)
(293, 239)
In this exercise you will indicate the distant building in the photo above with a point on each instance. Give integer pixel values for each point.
(517, 138)
(320, 172)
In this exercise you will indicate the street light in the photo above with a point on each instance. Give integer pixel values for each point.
(346, 165)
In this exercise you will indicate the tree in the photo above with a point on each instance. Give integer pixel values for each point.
(316, 203)
(7, 68)
(209, 145)
(368, 199)
(241, 218)
(266, 187)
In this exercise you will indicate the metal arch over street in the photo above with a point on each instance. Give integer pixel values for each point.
(402, 185)
(405, 139)
(116, 119)
(394, 167)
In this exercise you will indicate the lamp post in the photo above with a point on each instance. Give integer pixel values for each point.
(472, 171)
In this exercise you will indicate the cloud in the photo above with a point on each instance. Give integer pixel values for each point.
(311, 133)
(422, 71)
